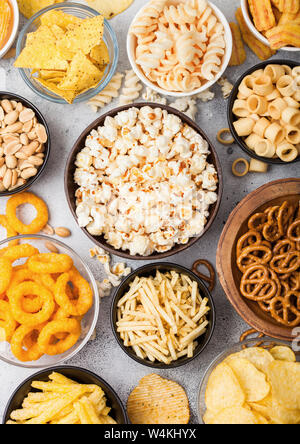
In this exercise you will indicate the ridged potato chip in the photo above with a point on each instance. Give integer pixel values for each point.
(285, 381)
(283, 354)
(109, 8)
(223, 390)
(158, 401)
(252, 381)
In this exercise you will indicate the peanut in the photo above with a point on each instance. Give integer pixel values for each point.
(11, 118)
(62, 232)
(48, 230)
(7, 179)
(51, 247)
(28, 173)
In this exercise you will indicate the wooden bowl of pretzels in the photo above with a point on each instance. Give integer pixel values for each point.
(258, 259)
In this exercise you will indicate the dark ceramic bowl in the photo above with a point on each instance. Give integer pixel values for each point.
(41, 119)
(78, 374)
(150, 270)
(232, 118)
(71, 187)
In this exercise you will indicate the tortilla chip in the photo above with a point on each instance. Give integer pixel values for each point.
(51, 74)
(83, 37)
(43, 35)
(109, 8)
(30, 7)
(81, 74)
(99, 55)
(69, 96)
(60, 19)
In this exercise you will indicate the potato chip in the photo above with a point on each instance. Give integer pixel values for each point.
(81, 74)
(158, 401)
(60, 19)
(283, 354)
(82, 37)
(109, 8)
(252, 381)
(276, 413)
(69, 96)
(236, 415)
(260, 419)
(100, 55)
(223, 390)
(30, 7)
(259, 357)
(285, 381)
(209, 417)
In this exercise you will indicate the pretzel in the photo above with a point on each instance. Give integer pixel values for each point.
(211, 279)
(286, 263)
(248, 239)
(293, 232)
(257, 221)
(250, 256)
(287, 314)
(284, 246)
(252, 332)
(259, 283)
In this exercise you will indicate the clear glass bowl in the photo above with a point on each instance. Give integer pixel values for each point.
(233, 349)
(109, 38)
(89, 321)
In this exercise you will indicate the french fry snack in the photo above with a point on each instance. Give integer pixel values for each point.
(287, 34)
(162, 318)
(63, 401)
(262, 14)
(262, 51)
(239, 55)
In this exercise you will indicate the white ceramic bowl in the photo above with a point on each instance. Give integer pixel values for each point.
(257, 34)
(132, 43)
(15, 28)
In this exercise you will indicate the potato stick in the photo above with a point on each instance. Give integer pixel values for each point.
(159, 276)
(81, 413)
(152, 296)
(195, 334)
(106, 411)
(171, 316)
(170, 291)
(107, 420)
(159, 356)
(130, 323)
(139, 314)
(183, 316)
(178, 295)
(190, 353)
(185, 351)
(175, 277)
(30, 412)
(172, 350)
(187, 279)
(90, 410)
(61, 379)
(71, 419)
(59, 388)
(161, 348)
(144, 339)
(130, 295)
(201, 313)
(126, 339)
(162, 291)
(32, 398)
(64, 412)
(136, 348)
(153, 290)
(140, 328)
(154, 312)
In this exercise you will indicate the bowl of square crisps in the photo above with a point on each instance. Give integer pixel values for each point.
(275, 23)
(65, 395)
(252, 384)
(67, 53)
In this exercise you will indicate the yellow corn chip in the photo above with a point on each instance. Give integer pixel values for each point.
(109, 8)
(30, 7)
(69, 96)
(99, 55)
(81, 74)
(60, 19)
(51, 74)
(82, 37)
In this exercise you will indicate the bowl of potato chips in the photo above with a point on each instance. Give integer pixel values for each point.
(252, 383)
(67, 53)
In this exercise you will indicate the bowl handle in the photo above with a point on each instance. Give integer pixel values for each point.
(211, 279)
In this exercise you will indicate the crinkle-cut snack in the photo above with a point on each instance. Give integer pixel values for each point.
(108, 94)
(158, 401)
(179, 48)
(145, 182)
(132, 88)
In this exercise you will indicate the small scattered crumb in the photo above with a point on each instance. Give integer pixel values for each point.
(226, 87)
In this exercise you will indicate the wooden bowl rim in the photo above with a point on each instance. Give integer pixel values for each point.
(233, 294)
(78, 146)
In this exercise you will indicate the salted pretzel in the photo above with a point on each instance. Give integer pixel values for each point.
(268, 256)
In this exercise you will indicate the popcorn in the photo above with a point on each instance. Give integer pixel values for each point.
(144, 184)
(114, 274)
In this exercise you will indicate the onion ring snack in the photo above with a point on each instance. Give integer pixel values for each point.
(39, 222)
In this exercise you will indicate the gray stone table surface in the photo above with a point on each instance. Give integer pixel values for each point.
(103, 355)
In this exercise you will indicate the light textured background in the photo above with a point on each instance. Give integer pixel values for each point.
(66, 123)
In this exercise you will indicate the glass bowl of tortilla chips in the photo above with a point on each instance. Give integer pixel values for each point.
(67, 53)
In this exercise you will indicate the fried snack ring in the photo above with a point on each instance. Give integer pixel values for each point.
(38, 223)
(84, 302)
(23, 337)
(287, 314)
(259, 283)
(250, 238)
(221, 139)
(7, 321)
(10, 232)
(28, 289)
(293, 232)
(5, 274)
(70, 326)
(235, 164)
(30, 304)
(286, 263)
(251, 256)
(20, 251)
(50, 263)
(257, 222)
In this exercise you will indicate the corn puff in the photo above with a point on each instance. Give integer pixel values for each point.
(284, 35)
(239, 55)
(262, 14)
(262, 51)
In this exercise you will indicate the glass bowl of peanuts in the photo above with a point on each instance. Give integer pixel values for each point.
(24, 144)
(20, 342)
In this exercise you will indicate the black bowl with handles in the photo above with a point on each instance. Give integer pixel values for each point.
(150, 270)
(80, 375)
(232, 118)
(4, 95)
